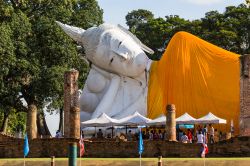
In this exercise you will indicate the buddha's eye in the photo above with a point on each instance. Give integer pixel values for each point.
(119, 44)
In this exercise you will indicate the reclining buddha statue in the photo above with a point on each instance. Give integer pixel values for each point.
(117, 81)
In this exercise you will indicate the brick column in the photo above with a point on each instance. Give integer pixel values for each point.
(71, 105)
(245, 95)
(170, 123)
(74, 122)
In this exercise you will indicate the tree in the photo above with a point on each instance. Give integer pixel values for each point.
(44, 52)
(157, 32)
(137, 17)
(213, 26)
(229, 30)
(8, 87)
(237, 20)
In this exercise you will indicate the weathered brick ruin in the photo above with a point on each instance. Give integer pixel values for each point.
(71, 105)
(245, 95)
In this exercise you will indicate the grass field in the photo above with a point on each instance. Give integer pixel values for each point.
(130, 162)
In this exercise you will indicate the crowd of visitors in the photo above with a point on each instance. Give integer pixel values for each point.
(130, 136)
(205, 134)
(200, 134)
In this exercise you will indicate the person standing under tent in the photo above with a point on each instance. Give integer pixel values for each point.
(100, 134)
(204, 132)
(160, 135)
(216, 135)
(190, 136)
(211, 134)
(184, 138)
(82, 133)
(129, 136)
(180, 134)
(200, 138)
(58, 134)
(151, 135)
(147, 134)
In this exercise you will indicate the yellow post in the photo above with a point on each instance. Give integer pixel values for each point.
(160, 161)
(52, 161)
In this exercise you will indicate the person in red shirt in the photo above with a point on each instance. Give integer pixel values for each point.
(190, 136)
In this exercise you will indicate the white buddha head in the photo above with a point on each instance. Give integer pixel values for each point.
(111, 48)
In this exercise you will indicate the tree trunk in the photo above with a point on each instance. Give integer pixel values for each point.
(60, 128)
(42, 127)
(4, 123)
(31, 121)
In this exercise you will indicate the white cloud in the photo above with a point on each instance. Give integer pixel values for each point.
(204, 2)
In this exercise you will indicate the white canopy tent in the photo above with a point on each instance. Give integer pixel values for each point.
(210, 118)
(135, 119)
(185, 119)
(161, 120)
(102, 121)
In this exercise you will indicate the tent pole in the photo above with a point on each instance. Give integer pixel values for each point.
(112, 132)
(95, 131)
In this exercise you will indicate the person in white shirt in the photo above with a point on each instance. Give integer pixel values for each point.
(200, 138)
(151, 135)
(160, 135)
(184, 138)
(130, 136)
(204, 132)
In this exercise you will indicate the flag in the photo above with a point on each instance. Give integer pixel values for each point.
(26, 148)
(82, 148)
(140, 146)
(204, 150)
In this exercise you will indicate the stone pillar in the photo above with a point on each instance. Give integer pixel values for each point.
(31, 121)
(71, 105)
(170, 123)
(74, 122)
(245, 95)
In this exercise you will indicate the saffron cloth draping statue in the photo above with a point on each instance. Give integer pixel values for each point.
(117, 81)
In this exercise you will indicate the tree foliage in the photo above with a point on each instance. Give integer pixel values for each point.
(35, 52)
(137, 17)
(229, 30)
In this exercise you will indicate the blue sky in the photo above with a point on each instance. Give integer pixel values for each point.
(116, 10)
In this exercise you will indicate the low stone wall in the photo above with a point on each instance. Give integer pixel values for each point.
(234, 147)
(13, 148)
(151, 149)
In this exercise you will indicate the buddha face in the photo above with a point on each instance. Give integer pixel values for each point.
(119, 53)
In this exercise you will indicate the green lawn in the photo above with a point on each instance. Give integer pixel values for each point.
(129, 161)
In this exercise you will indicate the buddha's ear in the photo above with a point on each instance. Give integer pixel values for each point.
(74, 32)
(143, 46)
